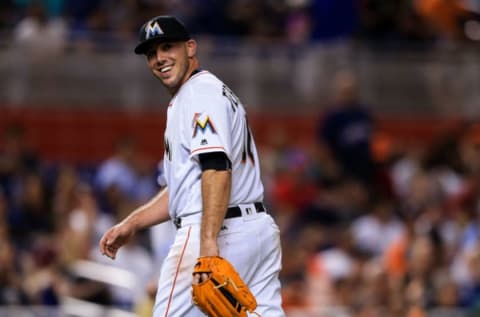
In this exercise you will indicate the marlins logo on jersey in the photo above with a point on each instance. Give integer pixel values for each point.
(202, 122)
(153, 29)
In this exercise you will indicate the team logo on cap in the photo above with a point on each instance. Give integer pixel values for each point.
(153, 29)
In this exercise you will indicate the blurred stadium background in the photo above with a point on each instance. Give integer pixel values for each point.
(366, 114)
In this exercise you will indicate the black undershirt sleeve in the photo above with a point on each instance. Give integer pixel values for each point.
(214, 160)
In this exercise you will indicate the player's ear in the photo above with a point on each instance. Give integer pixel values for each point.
(191, 48)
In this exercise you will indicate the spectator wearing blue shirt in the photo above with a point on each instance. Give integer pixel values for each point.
(346, 130)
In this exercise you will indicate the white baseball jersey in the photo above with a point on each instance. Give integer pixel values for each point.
(205, 116)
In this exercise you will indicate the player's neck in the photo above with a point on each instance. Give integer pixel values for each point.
(193, 69)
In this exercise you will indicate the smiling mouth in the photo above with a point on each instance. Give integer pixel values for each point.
(165, 69)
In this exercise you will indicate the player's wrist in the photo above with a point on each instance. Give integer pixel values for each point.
(209, 247)
(132, 223)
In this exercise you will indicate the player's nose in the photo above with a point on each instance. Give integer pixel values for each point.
(159, 58)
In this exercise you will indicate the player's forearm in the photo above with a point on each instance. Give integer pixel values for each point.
(151, 213)
(215, 197)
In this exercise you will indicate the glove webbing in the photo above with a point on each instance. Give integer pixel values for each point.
(229, 296)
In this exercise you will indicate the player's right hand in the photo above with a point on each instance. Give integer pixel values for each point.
(114, 238)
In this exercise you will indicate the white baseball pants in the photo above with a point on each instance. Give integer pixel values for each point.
(251, 243)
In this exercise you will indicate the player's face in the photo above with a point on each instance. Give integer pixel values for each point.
(171, 62)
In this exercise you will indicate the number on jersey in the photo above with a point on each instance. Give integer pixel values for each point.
(228, 93)
(247, 146)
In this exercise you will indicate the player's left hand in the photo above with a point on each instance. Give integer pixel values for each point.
(207, 248)
(219, 291)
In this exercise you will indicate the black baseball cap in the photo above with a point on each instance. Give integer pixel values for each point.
(163, 28)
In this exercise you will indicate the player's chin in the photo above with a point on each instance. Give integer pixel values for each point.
(169, 82)
(159, 76)
(163, 79)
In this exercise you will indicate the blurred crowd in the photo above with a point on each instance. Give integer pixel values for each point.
(90, 24)
(53, 215)
(371, 229)
(366, 230)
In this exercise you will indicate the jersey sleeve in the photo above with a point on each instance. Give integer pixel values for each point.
(210, 123)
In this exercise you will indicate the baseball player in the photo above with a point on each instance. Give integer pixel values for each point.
(214, 192)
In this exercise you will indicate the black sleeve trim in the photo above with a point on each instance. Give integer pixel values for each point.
(214, 161)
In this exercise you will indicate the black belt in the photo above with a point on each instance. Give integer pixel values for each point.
(236, 211)
(232, 212)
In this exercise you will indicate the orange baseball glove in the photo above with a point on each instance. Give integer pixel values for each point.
(224, 293)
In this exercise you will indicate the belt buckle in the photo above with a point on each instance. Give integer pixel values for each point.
(249, 212)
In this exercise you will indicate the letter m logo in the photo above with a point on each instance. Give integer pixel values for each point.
(152, 29)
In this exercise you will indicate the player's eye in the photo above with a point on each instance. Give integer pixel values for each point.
(166, 47)
(151, 53)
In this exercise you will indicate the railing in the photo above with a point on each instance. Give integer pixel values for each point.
(115, 277)
(69, 308)
(266, 77)
(75, 308)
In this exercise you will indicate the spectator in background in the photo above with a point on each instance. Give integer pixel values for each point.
(16, 158)
(115, 177)
(78, 13)
(446, 298)
(446, 17)
(42, 281)
(469, 283)
(25, 192)
(469, 148)
(333, 19)
(125, 175)
(453, 21)
(7, 14)
(374, 231)
(123, 18)
(38, 36)
(83, 225)
(11, 292)
(53, 8)
(376, 17)
(424, 268)
(403, 167)
(410, 26)
(347, 129)
(206, 17)
(298, 22)
(64, 192)
(391, 22)
(268, 17)
(33, 215)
